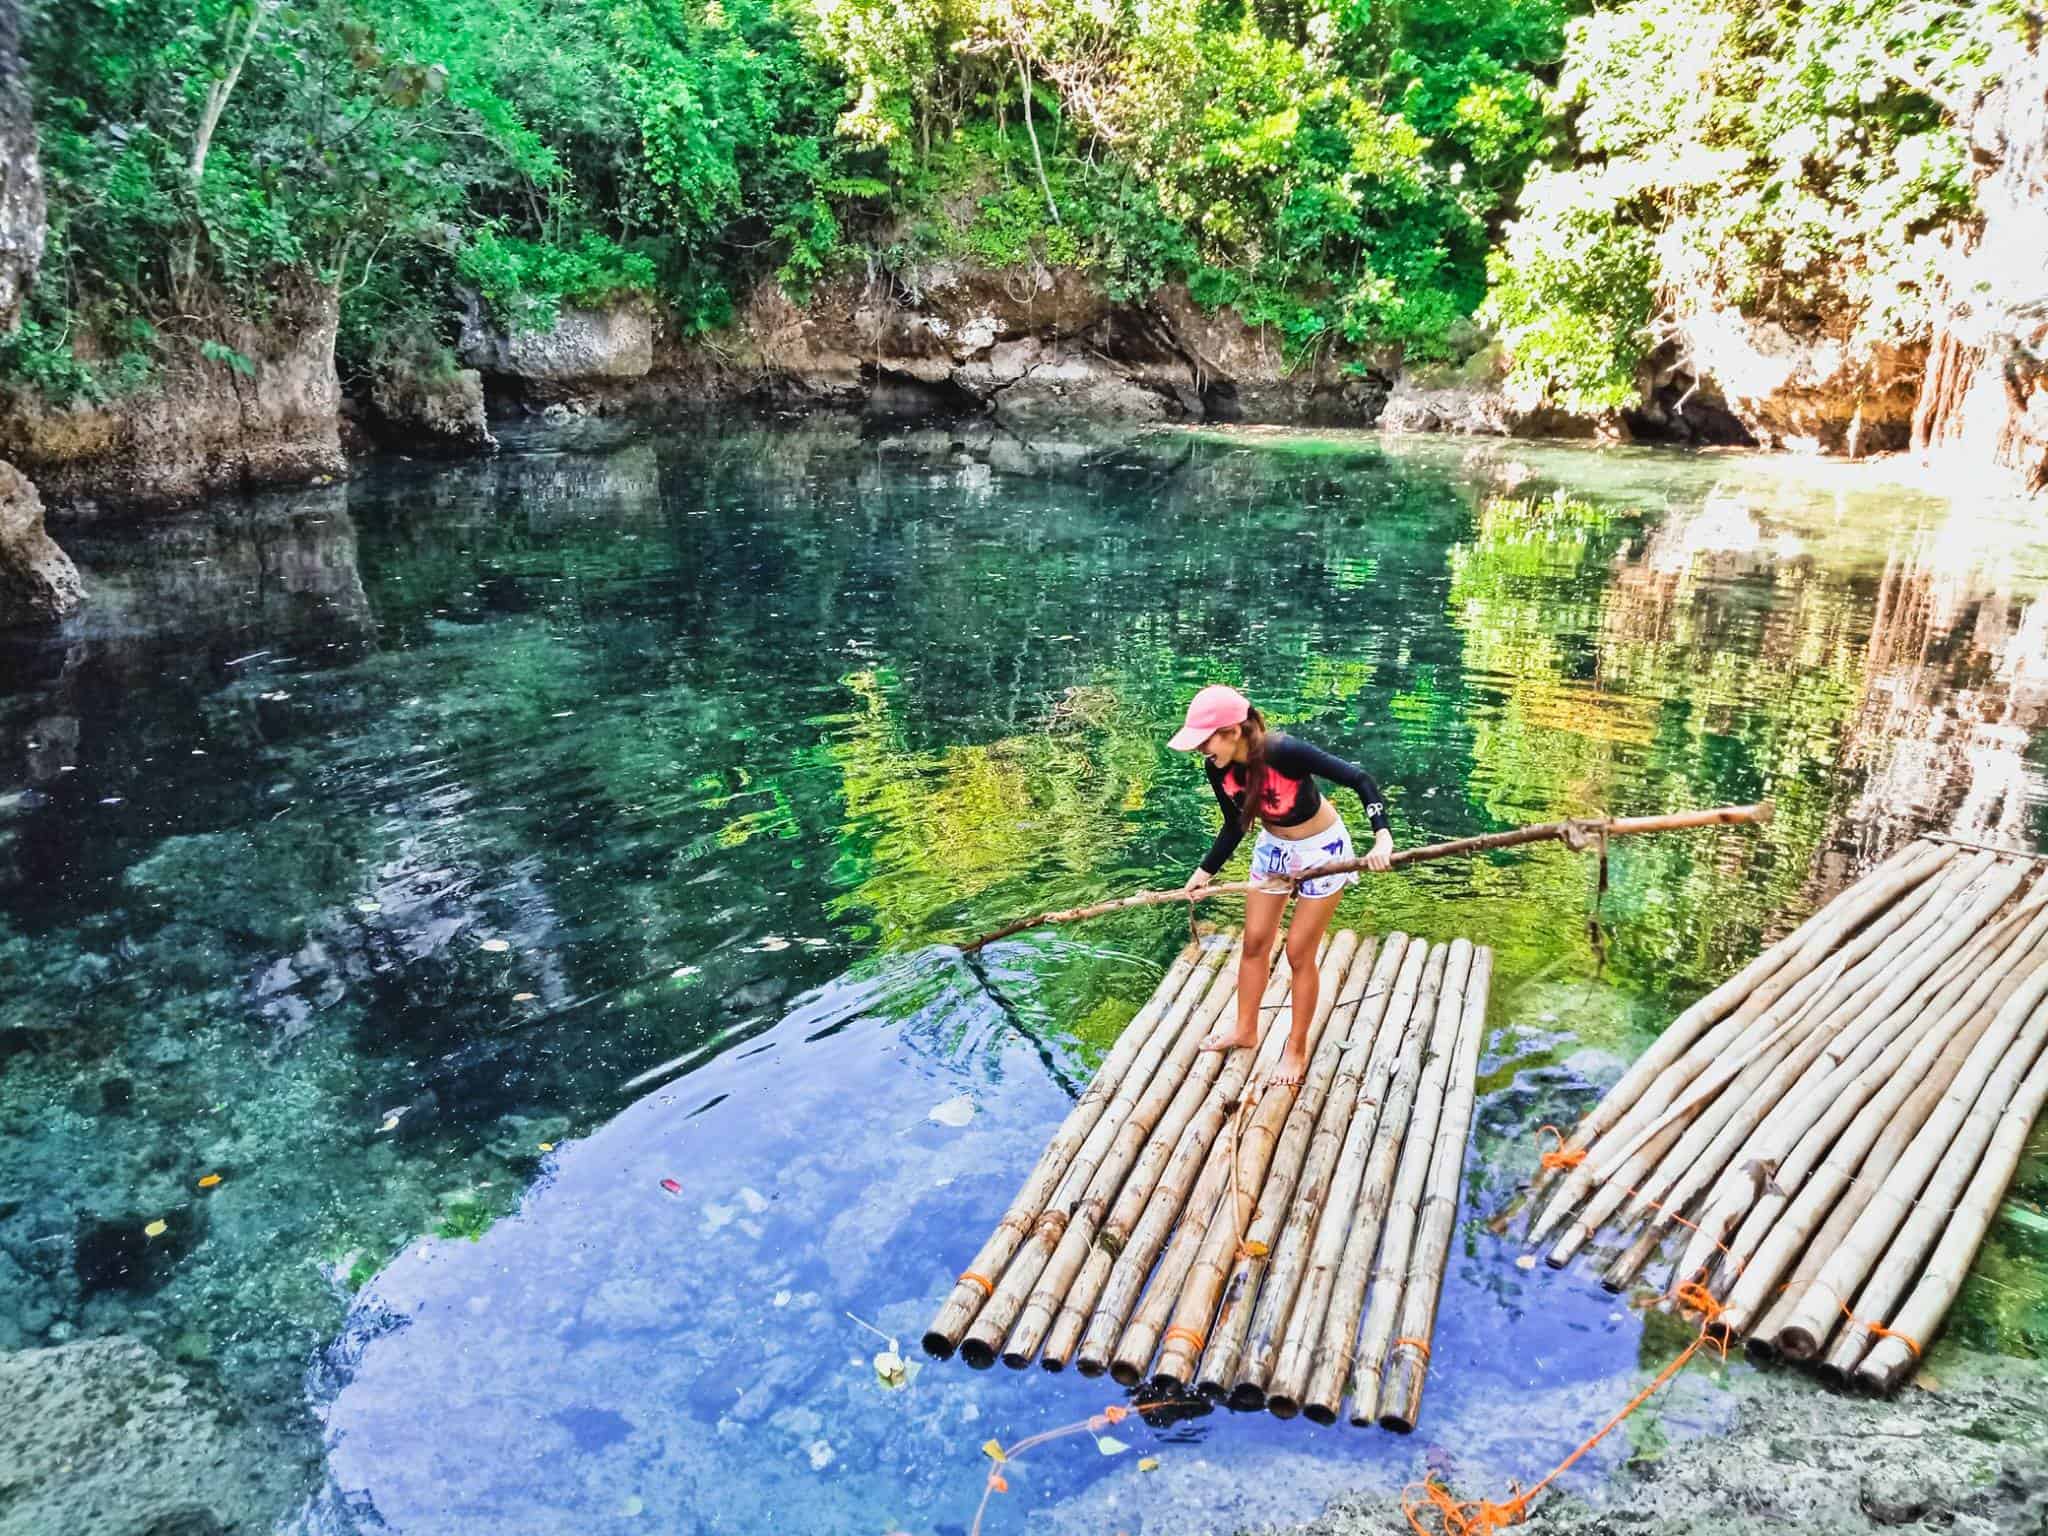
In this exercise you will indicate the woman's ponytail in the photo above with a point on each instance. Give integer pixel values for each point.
(1254, 729)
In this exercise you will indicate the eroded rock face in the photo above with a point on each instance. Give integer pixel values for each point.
(1023, 345)
(1815, 392)
(38, 582)
(585, 346)
(1477, 400)
(205, 427)
(21, 174)
(444, 409)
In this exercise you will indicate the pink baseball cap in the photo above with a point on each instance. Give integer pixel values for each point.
(1215, 707)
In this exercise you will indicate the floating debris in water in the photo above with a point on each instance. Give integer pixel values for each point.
(209, 1181)
(522, 997)
(672, 1186)
(547, 1146)
(494, 946)
(956, 1111)
(156, 1228)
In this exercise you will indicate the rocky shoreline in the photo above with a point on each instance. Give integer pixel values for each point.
(1966, 1453)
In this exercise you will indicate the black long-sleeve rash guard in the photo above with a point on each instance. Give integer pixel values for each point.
(1291, 796)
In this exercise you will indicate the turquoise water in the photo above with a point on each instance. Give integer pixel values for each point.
(445, 861)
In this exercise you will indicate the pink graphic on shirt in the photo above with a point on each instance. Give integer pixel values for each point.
(1280, 797)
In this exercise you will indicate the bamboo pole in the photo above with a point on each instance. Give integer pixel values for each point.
(1577, 835)
(1743, 1144)
(1404, 1205)
(1863, 924)
(984, 1337)
(1780, 1224)
(1892, 1359)
(1397, 1044)
(1854, 973)
(1166, 1089)
(1845, 912)
(959, 1308)
(1335, 1346)
(1938, 1203)
(1675, 1148)
(1821, 1071)
(1407, 1360)
(1078, 1298)
(1221, 1359)
(1178, 1182)
(1856, 1168)
(1249, 1155)
(1367, 1063)
(1847, 1268)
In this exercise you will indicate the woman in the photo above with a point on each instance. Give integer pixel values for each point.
(1260, 774)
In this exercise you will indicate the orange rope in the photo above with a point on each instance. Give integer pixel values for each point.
(1482, 1517)
(1879, 1331)
(1195, 1341)
(1420, 1344)
(1563, 1157)
(971, 1278)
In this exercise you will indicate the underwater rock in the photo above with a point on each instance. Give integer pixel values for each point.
(105, 1436)
(437, 408)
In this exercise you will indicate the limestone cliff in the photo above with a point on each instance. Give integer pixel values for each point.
(202, 426)
(37, 579)
(1984, 399)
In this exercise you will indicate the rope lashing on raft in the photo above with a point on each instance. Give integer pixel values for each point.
(1563, 1155)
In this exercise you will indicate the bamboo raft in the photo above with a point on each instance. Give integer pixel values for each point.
(1834, 1127)
(1280, 1248)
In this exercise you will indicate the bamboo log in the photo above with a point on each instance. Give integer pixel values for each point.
(984, 1337)
(1857, 1166)
(959, 1309)
(1849, 1266)
(1744, 1145)
(1892, 1359)
(1249, 1155)
(1407, 1360)
(1178, 1182)
(1827, 1068)
(1656, 1171)
(1852, 975)
(1879, 909)
(1922, 1067)
(1404, 1205)
(1576, 834)
(1333, 1351)
(1845, 912)
(1939, 1200)
(1367, 1063)
(1398, 1044)
(1340, 1045)
(1166, 1089)
(1078, 1299)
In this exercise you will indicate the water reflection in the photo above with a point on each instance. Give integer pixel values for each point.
(353, 846)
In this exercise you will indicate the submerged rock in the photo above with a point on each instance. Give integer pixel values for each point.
(1476, 399)
(106, 1436)
(38, 582)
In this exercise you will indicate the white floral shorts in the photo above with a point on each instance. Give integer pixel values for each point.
(1284, 856)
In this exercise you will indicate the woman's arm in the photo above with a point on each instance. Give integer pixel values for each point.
(1232, 831)
(1294, 757)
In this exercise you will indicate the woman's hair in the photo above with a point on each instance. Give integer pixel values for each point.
(1254, 729)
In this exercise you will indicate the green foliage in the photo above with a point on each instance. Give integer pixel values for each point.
(526, 281)
(1765, 154)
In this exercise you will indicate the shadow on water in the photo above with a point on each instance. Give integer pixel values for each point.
(444, 860)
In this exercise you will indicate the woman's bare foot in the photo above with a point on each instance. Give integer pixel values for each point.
(1232, 1039)
(1289, 1071)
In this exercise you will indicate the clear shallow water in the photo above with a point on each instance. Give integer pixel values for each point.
(553, 800)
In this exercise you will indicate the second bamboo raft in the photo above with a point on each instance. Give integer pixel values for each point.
(1278, 1247)
(1833, 1128)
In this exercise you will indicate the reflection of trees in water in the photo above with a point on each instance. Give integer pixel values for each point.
(1956, 685)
